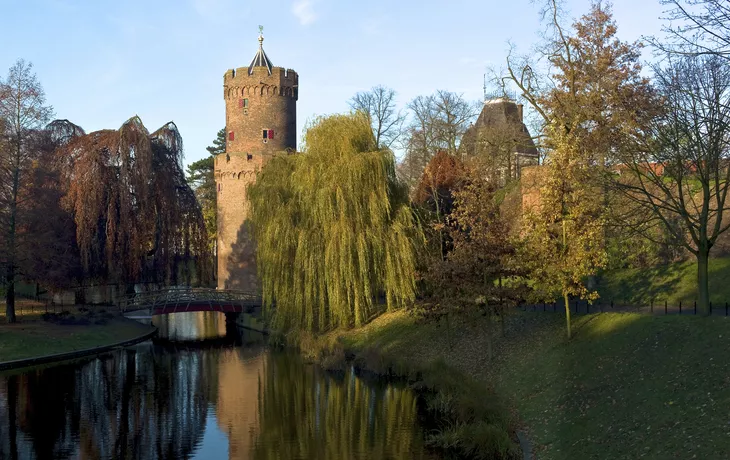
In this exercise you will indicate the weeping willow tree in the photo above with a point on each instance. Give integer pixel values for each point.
(136, 217)
(333, 228)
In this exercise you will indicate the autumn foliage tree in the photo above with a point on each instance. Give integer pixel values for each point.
(595, 106)
(471, 277)
(435, 196)
(441, 176)
(136, 217)
(592, 87)
(563, 233)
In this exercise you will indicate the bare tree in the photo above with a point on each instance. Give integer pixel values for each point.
(532, 74)
(681, 179)
(437, 123)
(452, 116)
(704, 28)
(380, 105)
(23, 110)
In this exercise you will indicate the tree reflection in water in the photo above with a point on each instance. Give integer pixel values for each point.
(123, 406)
(306, 413)
(155, 401)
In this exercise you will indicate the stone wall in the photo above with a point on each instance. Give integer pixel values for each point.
(531, 181)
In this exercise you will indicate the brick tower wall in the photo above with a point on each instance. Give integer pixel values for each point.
(271, 106)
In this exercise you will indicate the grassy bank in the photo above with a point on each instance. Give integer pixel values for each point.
(673, 282)
(627, 386)
(32, 336)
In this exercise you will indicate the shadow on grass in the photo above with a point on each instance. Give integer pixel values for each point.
(627, 386)
(640, 287)
(673, 283)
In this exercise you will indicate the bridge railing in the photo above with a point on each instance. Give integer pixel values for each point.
(187, 296)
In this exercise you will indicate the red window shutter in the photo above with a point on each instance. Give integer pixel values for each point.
(230, 135)
(271, 134)
(240, 103)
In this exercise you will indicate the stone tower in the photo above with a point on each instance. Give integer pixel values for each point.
(261, 122)
(500, 125)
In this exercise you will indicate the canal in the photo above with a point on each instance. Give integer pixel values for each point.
(202, 390)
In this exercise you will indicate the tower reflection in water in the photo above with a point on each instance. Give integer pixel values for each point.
(225, 397)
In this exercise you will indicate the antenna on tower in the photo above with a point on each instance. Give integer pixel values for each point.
(485, 87)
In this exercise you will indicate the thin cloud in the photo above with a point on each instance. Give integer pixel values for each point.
(373, 26)
(210, 8)
(304, 12)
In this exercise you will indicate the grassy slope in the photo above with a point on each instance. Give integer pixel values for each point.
(672, 282)
(627, 386)
(37, 338)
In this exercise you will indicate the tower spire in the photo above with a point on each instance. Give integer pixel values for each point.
(260, 59)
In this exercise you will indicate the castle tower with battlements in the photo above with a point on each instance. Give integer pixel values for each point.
(261, 122)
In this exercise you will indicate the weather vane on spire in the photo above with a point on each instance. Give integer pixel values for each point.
(261, 35)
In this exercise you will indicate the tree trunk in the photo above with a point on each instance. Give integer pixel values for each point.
(10, 274)
(567, 311)
(490, 332)
(502, 313)
(703, 285)
(10, 294)
(448, 331)
(565, 287)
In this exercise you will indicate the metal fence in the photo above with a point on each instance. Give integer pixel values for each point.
(662, 307)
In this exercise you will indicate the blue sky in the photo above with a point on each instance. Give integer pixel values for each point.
(102, 62)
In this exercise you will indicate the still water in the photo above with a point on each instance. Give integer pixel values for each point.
(203, 391)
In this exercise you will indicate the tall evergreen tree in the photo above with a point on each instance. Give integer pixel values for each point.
(201, 179)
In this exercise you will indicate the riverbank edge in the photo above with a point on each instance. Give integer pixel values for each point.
(70, 355)
(472, 411)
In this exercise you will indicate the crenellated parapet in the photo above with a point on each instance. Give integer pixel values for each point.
(242, 83)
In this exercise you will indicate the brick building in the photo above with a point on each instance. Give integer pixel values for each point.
(261, 122)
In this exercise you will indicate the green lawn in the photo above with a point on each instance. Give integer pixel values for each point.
(30, 338)
(673, 282)
(627, 386)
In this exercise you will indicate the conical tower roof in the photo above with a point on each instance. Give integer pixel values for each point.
(260, 59)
